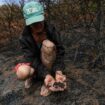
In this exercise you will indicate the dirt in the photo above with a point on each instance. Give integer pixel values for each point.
(59, 84)
(85, 86)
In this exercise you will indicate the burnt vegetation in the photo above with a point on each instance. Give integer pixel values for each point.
(81, 24)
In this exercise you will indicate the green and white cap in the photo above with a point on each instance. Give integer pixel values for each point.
(33, 12)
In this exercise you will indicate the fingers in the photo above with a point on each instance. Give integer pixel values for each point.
(60, 78)
(45, 91)
(56, 85)
(49, 82)
(55, 89)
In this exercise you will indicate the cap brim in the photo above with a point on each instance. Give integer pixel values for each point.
(34, 19)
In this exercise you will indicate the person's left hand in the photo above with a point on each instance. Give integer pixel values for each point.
(61, 78)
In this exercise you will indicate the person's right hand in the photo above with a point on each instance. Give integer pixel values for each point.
(61, 78)
(49, 82)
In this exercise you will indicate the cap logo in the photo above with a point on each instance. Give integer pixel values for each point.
(31, 10)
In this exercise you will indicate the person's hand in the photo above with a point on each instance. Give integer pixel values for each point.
(61, 78)
(50, 83)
